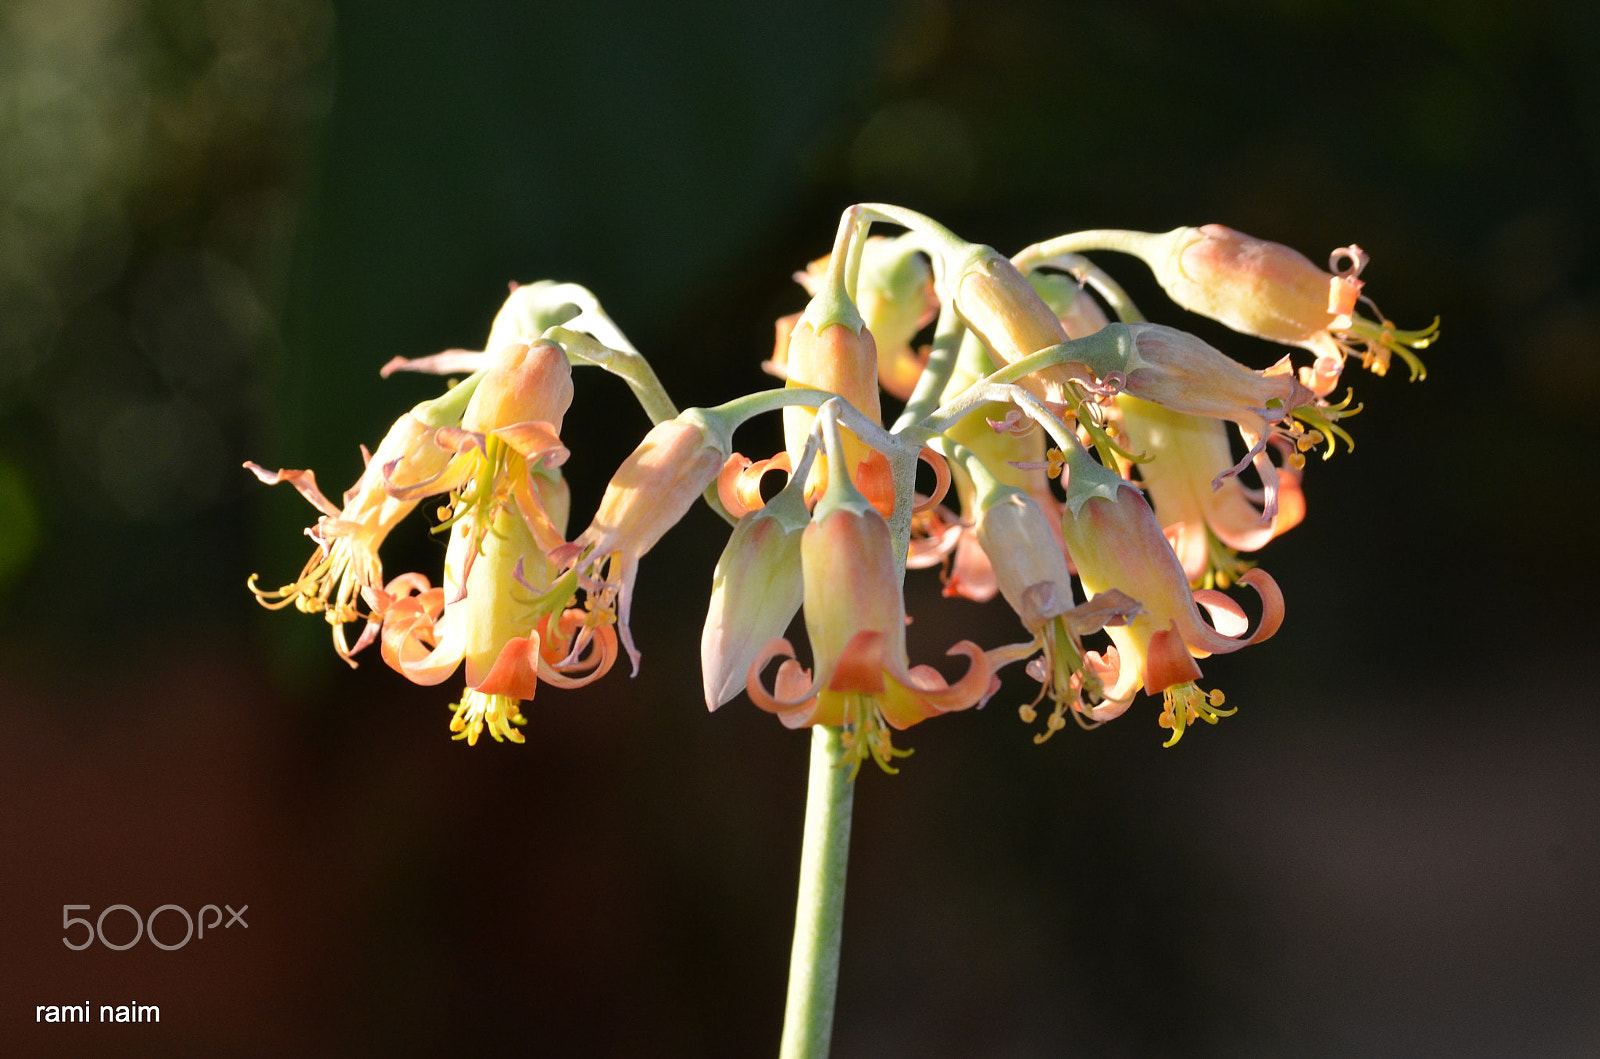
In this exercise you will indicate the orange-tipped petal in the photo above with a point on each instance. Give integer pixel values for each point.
(515, 673)
(1167, 661)
(859, 666)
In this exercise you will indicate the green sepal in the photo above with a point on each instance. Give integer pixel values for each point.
(1086, 479)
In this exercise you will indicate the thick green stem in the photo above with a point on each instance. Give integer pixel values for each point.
(819, 912)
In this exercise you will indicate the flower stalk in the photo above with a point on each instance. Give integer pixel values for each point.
(819, 908)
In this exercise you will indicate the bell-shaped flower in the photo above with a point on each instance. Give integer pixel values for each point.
(855, 619)
(1206, 512)
(501, 613)
(500, 609)
(1033, 577)
(344, 572)
(1274, 292)
(654, 488)
(1179, 372)
(1116, 543)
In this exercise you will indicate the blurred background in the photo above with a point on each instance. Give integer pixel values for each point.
(218, 219)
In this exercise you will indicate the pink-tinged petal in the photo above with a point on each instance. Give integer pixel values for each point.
(739, 481)
(304, 482)
(411, 639)
(1204, 640)
(1109, 608)
(972, 575)
(530, 505)
(1189, 544)
(1226, 615)
(942, 534)
(450, 362)
(1271, 603)
(1120, 680)
(535, 441)
(794, 696)
(1237, 521)
(454, 473)
(941, 478)
(778, 648)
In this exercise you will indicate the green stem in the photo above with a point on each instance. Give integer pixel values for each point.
(819, 912)
(626, 364)
(1153, 247)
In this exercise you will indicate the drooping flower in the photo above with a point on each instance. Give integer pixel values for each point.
(500, 612)
(1032, 573)
(855, 620)
(1116, 544)
(1013, 456)
(831, 348)
(654, 488)
(1274, 292)
(500, 609)
(344, 572)
(1002, 308)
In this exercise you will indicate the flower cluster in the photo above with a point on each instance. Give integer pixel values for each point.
(1087, 454)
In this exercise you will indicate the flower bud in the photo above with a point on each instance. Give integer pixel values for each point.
(755, 592)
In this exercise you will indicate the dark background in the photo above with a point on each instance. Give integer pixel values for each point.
(217, 220)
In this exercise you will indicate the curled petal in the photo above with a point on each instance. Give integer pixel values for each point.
(1225, 614)
(593, 664)
(1121, 683)
(941, 478)
(305, 482)
(794, 695)
(411, 640)
(924, 693)
(1203, 638)
(535, 441)
(739, 481)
